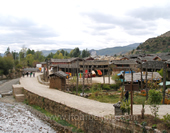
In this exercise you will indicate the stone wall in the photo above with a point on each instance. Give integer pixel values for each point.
(39, 78)
(88, 123)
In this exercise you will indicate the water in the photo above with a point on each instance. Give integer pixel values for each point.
(16, 118)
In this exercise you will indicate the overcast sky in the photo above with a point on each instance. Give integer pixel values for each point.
(91, 24)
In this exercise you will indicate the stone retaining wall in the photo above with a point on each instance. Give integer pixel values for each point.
(42, 82)
(88, 123)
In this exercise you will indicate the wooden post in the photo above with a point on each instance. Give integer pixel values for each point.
(141, 77)
(109, 75)
(164, 81)
(131, 92)
(83, 78)
(88, 73)
(124, 78)
(44, 73)
(77, 79)
(47, 70)
(91, 73)
(68, 74)
(146, 80)
(152, 74)
(103, 76)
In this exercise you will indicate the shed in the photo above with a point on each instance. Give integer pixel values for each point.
(58, 80)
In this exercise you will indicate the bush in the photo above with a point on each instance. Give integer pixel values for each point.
(166, 119)
(106, 87)
(125, 107)
(155, 98)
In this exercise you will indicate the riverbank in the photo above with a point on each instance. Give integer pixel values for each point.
(17, 117)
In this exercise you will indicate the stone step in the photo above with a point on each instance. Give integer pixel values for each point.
(17, 89)
(19, 97)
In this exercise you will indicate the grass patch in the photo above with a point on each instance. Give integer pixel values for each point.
(104, 97)
(57, 119)
(139, 99)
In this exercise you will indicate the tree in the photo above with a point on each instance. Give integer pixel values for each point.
(39, 56)
(30, 60)
(85, 53)
(49, 56)
(7, 63)
(7, 52)
(76, 52)
(30, 52)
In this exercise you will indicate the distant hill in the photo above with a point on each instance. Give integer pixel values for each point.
(46, 52)
(106, 51)
(156, 44)
(1, 54)
(117, 50)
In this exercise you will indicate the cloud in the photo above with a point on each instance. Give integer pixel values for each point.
(151, 13)
(128, 23)
(17, 30)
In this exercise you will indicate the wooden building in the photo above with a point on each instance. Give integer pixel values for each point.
(58, 80)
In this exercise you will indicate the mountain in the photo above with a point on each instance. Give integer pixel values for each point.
(106, 51)
(116, 50)
(1, 54)
(156, 44)
(46, 52)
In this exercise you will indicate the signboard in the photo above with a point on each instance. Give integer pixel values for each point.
(135, 87)
(38, 65)
(40, 69)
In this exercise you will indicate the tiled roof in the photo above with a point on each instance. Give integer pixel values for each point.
(124, 61)
(152, 64)
(137, 76)
(60, 74)
(65, 60)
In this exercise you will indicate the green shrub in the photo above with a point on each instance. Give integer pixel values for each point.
(166, 119)
(125, 107)
(106, 87)
(155, 98)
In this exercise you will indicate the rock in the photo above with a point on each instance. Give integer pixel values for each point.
(3, 76)
(117, 105)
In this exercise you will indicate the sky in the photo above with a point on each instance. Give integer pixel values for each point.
(87, 24)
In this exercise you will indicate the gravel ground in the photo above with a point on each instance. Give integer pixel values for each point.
(16, 117)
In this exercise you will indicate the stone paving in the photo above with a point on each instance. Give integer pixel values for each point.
(86, 105)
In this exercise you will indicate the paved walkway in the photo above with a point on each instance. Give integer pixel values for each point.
(7, 86)
(83, 104)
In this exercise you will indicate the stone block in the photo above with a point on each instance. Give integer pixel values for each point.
(118, 111)
(17, 89)
(19, 97)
